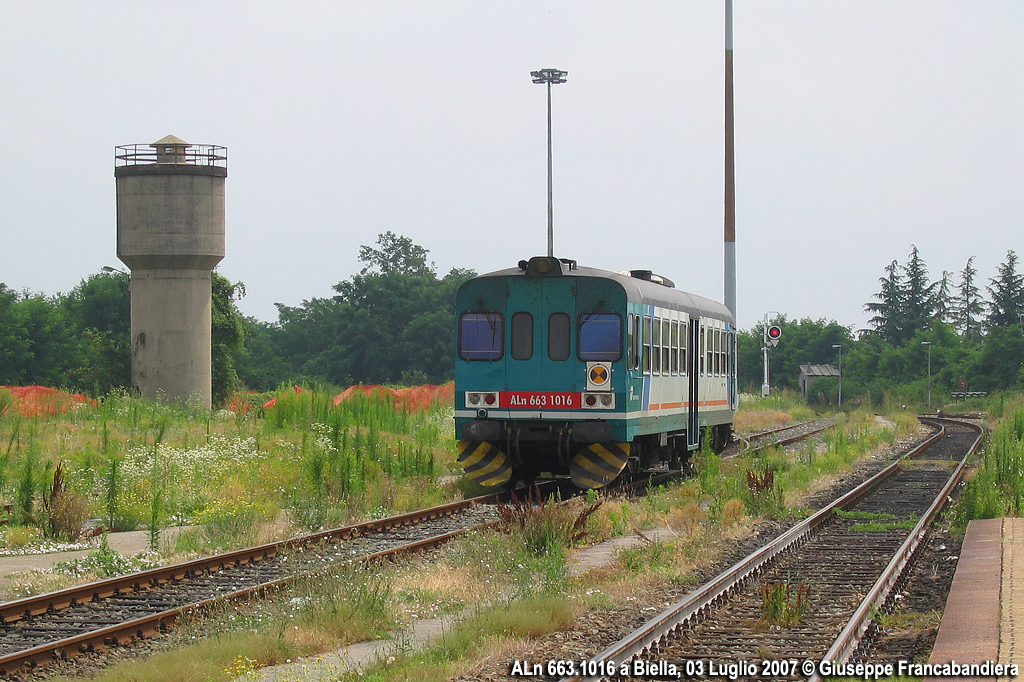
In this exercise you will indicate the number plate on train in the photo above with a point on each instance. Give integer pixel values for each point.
(525, 400)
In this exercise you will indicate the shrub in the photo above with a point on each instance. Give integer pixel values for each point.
(546, 528)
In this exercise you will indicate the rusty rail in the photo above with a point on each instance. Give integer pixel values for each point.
(698, 603)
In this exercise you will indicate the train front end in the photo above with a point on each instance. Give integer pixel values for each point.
(540, 375)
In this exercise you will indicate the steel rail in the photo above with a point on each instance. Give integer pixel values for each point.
(158, 622)
(147, 626)
(850, 637)
(698, 603)
(135, 582)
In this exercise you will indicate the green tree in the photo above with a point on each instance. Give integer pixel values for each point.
(227, 335)
(999, 363)
(54, 349)
(14, 343)
(99, 310)
(888, 309)
(943, 301)
(969, 305)
(1007, 289)
(392, 322)
(918, 297)
(396, 254)
(261, 364)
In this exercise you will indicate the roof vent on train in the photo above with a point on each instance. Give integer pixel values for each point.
(546, 266)
(651, 277)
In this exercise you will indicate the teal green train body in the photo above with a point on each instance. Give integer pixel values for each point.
(567, 370)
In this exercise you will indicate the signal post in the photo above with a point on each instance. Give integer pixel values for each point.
(771, 335)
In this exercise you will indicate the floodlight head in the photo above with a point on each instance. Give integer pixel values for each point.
(549, 76)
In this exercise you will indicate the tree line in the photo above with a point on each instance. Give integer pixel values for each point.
(80, 341)
(971, 331)
(394, 322)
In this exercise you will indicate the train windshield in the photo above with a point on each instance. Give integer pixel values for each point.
(480, 336)
(600, 337)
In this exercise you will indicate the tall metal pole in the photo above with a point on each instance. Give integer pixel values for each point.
(929, 344)
(766, 386)
(551, 204)
(730, 173)
(551, 77)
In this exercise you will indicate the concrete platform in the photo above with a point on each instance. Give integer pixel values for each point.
(984, 616)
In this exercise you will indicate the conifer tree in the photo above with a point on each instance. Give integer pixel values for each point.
(888, 309)
(918, 296)
(1007, 290)
(944, 302)
(968, 305)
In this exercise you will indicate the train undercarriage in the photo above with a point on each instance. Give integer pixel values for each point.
(525, 451)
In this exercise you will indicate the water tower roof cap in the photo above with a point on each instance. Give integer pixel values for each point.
(171, 140)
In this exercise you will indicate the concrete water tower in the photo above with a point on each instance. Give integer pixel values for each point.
(170, 233)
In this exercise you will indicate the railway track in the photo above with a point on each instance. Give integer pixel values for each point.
(785, 435)
(59, 625)
(838, 571)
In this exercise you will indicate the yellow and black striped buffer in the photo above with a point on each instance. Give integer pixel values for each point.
(598, 464)
(484, 463)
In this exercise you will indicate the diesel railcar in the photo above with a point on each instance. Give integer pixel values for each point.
(568, 370)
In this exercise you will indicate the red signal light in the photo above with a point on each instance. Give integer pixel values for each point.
(774, 332)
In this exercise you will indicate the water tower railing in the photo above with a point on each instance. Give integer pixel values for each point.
(193, 155)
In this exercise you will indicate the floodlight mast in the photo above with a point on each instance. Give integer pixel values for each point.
(550, 76)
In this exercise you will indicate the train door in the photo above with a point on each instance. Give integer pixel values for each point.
(541, 314)
(693, 363)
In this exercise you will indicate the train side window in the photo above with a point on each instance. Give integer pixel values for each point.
(718, 352)
(600, 337)
(666, 346)
(481, 336)
(723, 352)
(656, 347)
(713, 351)
(521, 345)
(647, 344)
(559, 330)
(684, 342)
(675, 346)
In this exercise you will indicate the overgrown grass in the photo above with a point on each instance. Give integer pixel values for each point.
(997, 487)
(305, 464)
(496, 587)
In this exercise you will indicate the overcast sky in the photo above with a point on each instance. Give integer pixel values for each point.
(861, 128)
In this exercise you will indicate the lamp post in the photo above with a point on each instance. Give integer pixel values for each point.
(929, 344)
(110, 269)
(551, 77)
(840, 347)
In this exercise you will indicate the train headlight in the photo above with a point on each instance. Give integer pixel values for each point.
(490, 399)
(598, 401)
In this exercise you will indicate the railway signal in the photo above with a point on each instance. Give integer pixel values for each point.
(771, 336)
